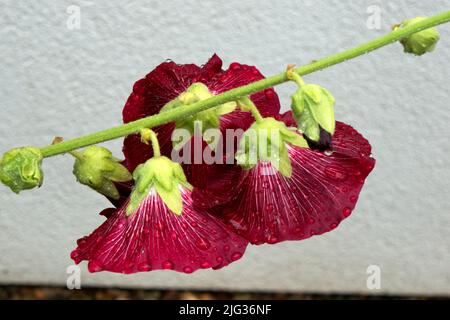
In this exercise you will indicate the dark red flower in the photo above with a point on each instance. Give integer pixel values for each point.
(168, 80)
(268, 207)
(155, 238)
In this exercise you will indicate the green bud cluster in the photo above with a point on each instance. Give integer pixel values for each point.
(20, 169)
(97, 168)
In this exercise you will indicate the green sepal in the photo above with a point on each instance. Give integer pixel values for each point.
(96, 168)
(313, 107)
(164, 177)
(421, 42)
(308, 125)
(266, 141)
(20, 169)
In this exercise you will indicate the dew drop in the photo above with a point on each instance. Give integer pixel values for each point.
(187, 270)
(272, 239)
(235, 66)
(269, 93)
(346, 211)
(311, 220)
(202, 244)
(236, 256)
(205, 265)
(226, 247)
(144, 267)
(219, 259)
(353, 199)
(167, 265)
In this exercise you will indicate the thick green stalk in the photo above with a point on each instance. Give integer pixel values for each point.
(232, 95)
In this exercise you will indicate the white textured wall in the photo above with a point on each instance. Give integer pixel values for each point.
(55, 81)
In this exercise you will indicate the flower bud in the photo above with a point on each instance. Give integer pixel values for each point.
(20, 169)
(313, 109)
(98, 169)
(420, 42)
(163, 175)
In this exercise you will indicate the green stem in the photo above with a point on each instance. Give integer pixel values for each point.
(234, 94)
(247, 105)
(76, 154)
(155, 144)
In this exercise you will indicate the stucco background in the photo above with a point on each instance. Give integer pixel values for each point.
(57, 81)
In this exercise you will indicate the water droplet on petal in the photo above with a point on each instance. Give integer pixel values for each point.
(226, 247)
(346, 212)
(202, 244)
(167, 265)
(187, 270)
(205, 265)
(235, 66)
(236, 256)
(272, 239)
(144, 267)
(353, 199)
(219, 259)
(269, 93)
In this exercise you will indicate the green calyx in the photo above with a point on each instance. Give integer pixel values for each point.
(209, 119)
(20, 169)
(313, 108)
(421, 42)
(163, 176)
(266, 141)
(97, 168)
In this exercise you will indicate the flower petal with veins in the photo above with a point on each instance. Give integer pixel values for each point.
(155, 238)
(323, 190)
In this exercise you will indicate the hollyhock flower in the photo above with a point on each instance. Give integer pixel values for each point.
(169, 81)
(320, 190)
(157, 227)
